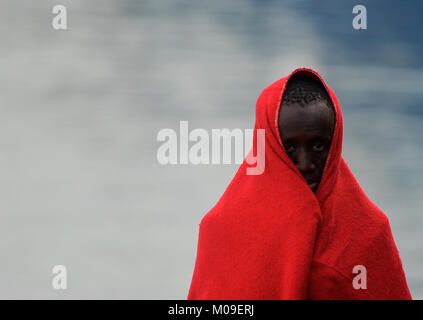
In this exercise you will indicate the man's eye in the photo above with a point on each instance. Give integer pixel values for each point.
(318, 147)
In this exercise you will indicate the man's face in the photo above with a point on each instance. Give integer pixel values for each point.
(306, 133)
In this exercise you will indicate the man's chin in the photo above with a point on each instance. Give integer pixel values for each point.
(313, 186)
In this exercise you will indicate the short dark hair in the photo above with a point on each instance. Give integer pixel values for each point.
(303, 90)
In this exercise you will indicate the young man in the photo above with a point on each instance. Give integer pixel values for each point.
(304, 228)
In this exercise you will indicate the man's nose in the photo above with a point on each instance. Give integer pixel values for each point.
(304, 162)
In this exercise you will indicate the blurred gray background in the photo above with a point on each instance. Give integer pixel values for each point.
(80, 111)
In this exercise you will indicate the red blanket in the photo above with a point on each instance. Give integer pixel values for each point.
(271, 237)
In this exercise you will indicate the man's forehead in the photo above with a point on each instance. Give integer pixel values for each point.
(317, 109)
(316, 118)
